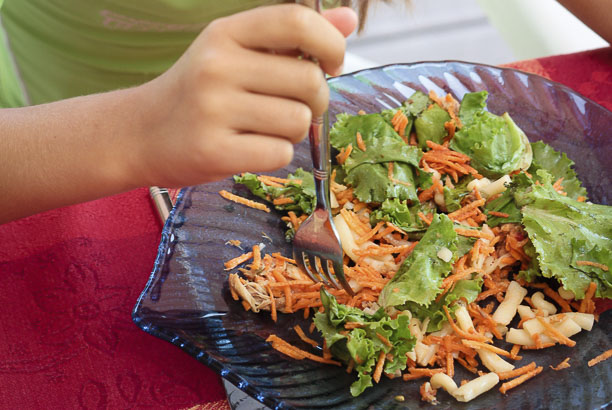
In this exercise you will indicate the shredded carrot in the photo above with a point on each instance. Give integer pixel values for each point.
(246, 305)
(234, 242)
(256, 258)
(379, 366)
(360, 144)
(555, 334)
(383, 339)
(472, 233)
(462, 211)
(516, 372)
(563, 365)
(581, 198)
(515, 351)
(519, 380)
(424, 218)
(595, 264)
(282, 201)
(350, 366)
(344, 154)
(272, 304)
(281, 180)
(295, 352)
(303, 336)
(450, 364)
(587, 305)
(277, 255)
(598, 359)
(243, 201)
(234, 294)
(399, 122)
(565, 307)
(267, 181)
(367, 236)
(499, 214)
(232, 263)
(479, 345)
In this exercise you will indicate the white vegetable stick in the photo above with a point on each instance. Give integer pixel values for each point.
(443, 380)
(506, 310)
(525, 312)
(476, 387)
(463, 319)
(566, 294)
(493, 362)
(496, 187)
(519, 337)
(584, 320)
(540, 303)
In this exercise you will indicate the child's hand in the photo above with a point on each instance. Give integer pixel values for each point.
(238, 99)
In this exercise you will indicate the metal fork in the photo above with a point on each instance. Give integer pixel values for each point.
(316, 244)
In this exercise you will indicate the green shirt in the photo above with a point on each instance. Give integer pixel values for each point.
(56, 49)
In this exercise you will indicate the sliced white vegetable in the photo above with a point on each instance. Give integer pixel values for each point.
(476, 387)
(463, 319)
(525, 312)
(566, 294)
(478, 184)
(519, 337)
(443, 380)
(445, 254)
(540, 303)
(507, 309)
(496, 187)
(584, 320)
(493, 362)
(333, 201)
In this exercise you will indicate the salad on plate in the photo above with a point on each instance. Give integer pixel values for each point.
(464, 242)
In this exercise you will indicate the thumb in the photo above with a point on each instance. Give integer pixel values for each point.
(343, 18)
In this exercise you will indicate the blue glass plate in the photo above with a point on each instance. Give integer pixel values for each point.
(187, 301)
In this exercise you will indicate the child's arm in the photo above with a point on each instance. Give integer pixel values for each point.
(235, 101)
(597, 14)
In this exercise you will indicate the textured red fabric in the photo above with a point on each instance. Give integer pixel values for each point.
(70, 278)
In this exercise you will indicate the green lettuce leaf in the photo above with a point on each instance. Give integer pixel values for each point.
(420, 275)
(453, 197)
(401, 215)
(382, 150)
(371, 126)
(302, 193)
(505, 203)
(417, 103)
(429, 126)
(367, 171)
(564, 231)
(467, 288)
(559, 166)
(362, 345)
(371, 182)
(496, 145)
(471, 104)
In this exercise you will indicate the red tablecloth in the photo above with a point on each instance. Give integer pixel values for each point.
(70, 278)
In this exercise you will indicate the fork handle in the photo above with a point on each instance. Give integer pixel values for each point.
(319, 149)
